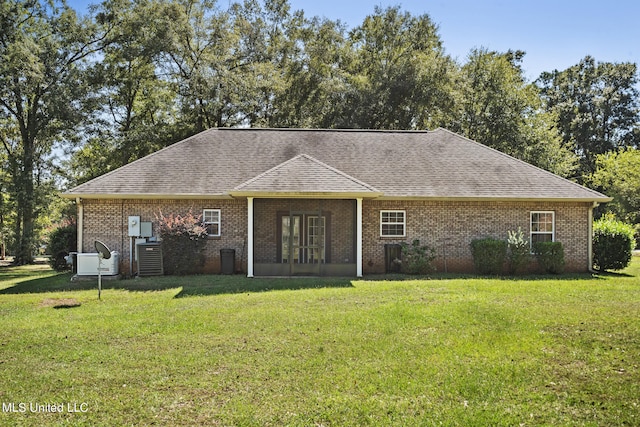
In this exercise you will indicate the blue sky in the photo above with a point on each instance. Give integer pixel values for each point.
(555, 34)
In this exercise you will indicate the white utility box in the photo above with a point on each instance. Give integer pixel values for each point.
(134, 226)
(88, 264)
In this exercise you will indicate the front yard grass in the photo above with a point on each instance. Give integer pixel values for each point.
(231, 351)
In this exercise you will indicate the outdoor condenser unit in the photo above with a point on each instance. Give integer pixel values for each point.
(149, 256)
(88, 264)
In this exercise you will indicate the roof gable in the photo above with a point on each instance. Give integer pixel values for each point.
(304, 174)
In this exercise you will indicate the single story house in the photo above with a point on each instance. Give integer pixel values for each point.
(331, 202)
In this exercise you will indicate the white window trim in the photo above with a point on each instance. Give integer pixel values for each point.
(404, 223)
(219, 222)
(553, 224)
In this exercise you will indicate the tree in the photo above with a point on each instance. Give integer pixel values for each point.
(617, 174)
(43, 48)
(499, 108)
(227, 64)
(134, 107)
(597, 107)
(494, 99)
(5, 208)
(315, 80)
(399, 76)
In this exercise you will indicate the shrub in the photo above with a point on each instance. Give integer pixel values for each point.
(417, 259)
(489, 255)
(62, 240)
(613, 244)
(184, 239)
(550, 256)
(519, 251)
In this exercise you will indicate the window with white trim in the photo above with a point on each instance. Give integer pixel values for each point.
(393, 223)
(211, 221)
(543, 227)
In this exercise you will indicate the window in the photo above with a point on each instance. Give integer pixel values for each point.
(542, 227)
(392, 223)
(211, 220)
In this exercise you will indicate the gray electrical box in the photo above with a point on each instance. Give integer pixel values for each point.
(146, 229)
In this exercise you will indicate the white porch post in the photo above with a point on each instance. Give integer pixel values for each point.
(80, 225)
(359, 237)
(590, 239)
(249, 236)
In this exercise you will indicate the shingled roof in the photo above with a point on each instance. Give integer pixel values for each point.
(303, 175)
(435, 164)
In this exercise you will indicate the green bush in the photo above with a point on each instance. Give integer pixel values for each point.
(62, 241)
(184, 239)
(613, 244)
(417, 259)
(519, 251)
(489, 255)
(550, 256)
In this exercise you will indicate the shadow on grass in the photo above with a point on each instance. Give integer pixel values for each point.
(189, 285)
(234, 284)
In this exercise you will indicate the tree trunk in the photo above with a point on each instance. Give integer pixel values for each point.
(25, 207)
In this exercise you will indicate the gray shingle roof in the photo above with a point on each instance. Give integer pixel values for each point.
(415, 164)
(304, 174)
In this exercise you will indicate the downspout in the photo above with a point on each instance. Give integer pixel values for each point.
(359, 237)
(80, 223)
(249, 236)
(590, 248)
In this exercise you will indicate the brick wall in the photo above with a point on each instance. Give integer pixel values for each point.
(106, 220)
(430, 221)
(450, 227)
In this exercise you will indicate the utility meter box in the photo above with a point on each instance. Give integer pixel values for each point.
(146, 229)
(134, 226)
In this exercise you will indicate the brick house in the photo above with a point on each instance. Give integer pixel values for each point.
(333, 202)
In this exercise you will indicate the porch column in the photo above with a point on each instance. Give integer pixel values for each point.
(80, 225)
(249, 236)
(359, 237)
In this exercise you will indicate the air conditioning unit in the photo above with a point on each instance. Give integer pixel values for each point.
(149, 256)
(88, 264)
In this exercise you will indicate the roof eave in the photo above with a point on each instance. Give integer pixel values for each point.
(305, 194)
(501, 199)
(151, 196)
(325, 195)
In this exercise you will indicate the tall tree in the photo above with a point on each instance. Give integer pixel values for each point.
(499, 108)
(200, 39)
(134, 112)
(494, 99)
(315, 77)
(400, 75)
(43, 47)
(5, 207)
(597, 107)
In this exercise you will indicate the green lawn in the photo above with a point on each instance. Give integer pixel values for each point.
(229, 351)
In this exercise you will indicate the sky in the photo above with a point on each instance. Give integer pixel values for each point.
(555, 34)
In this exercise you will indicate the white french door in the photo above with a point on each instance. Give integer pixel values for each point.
(303, 239)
